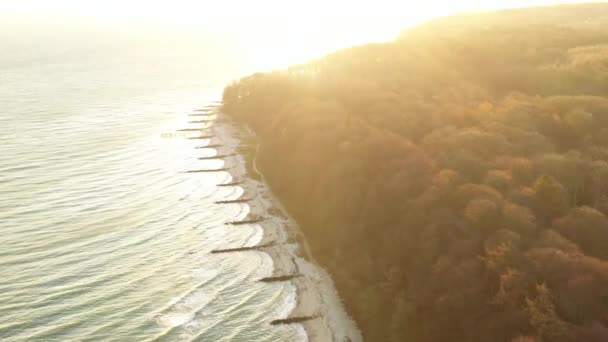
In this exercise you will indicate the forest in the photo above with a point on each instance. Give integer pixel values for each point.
(454, 181)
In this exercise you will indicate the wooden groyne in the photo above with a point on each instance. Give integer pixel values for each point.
(219, 156)
(233, 183)
(203, 110)
(202, 137)
(208, 170)
(209, 146)
(293, 320)
(202, 121)
(190, 130)
(240, 200)
(277, 279)
(243, 249)
(202, 113)
(244, 222)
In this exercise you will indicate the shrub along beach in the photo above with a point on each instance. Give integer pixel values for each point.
(454, 182)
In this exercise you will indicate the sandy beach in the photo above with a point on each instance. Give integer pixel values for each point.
(318, 307)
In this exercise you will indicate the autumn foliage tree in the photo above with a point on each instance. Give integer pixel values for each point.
(454, 181)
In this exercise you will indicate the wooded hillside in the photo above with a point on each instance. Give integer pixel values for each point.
(455, 181)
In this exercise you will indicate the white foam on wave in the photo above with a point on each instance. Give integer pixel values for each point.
(300, 332)
(283, 310)
(266, 265)
(230, 192)
(255, 237)
(185, 309)
(204, 275)
(174, 319)
(245, 210)
(289, 301)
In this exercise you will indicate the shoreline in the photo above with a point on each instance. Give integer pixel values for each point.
(318, 307)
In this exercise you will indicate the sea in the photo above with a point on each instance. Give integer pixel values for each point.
(104, 235)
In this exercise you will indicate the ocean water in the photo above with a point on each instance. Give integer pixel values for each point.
(103, 236)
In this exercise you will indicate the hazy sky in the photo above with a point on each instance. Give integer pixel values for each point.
(273, 32)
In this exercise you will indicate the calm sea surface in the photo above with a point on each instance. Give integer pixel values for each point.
(102, 235)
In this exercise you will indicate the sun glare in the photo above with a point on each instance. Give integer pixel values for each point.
(271, 33)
